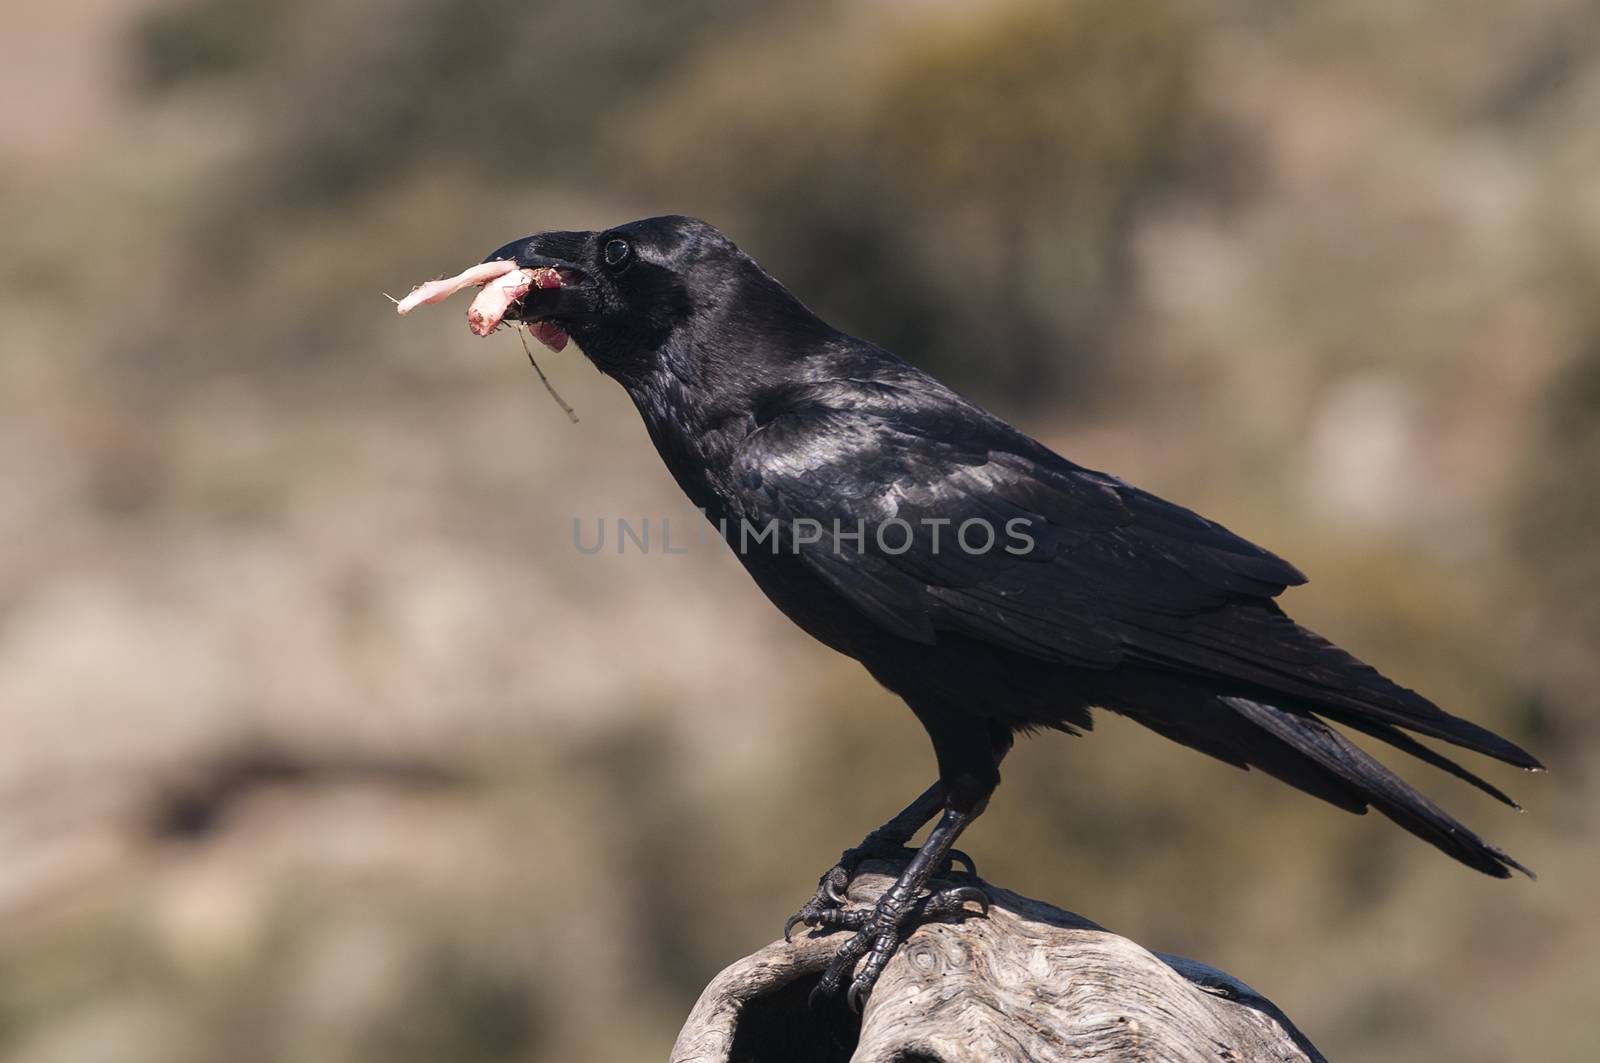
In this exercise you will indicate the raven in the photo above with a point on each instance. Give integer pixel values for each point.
(833, 468)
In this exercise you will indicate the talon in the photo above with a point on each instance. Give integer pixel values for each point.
(973, 894)
(829, 897)
(956, 855)
(857, 997)
(953, 902)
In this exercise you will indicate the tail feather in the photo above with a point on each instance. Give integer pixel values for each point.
(1259, 645)
(1405, 743)
(1376, 785)
(1206, 725)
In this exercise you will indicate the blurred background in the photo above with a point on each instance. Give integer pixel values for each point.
(320, 742)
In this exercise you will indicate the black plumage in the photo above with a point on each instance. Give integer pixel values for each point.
(770, 418)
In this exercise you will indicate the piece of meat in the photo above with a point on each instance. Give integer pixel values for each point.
(503, 284)
(487, 310)
(440, 290)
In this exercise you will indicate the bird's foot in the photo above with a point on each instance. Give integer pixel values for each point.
(879, 930)
(835, 882)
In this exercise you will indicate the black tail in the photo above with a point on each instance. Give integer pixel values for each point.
(1254, 645)
(1258, 689)
(1359, 781)
(1356, 694)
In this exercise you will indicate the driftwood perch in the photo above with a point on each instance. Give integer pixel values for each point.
(1029, 983)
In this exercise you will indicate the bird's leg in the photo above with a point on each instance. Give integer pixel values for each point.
(969, 749)
(880, 930)
(886, 841)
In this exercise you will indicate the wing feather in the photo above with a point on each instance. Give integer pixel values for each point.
(1114, 575)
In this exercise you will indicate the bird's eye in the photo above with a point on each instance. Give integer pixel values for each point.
(617, 253)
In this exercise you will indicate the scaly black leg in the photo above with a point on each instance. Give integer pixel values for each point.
(969, 749)
(880, 931)
(887, 841)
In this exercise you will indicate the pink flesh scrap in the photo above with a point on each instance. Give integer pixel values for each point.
(548, 333)
(486, 311)
(440, 290)
(503, 284)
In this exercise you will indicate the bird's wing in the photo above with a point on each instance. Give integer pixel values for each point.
(1079, 563)
(1115, 575)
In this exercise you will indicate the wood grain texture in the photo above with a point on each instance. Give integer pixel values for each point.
(1030, 982)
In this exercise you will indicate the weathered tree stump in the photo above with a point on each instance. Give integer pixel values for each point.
(1029, 983)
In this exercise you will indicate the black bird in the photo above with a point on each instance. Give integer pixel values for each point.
(994, 585)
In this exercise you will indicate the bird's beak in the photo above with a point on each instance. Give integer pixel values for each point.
(574, 297)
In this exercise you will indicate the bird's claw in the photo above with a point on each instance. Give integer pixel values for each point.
(830, 896)
(833, 886)
(950, 901)
(879, 932)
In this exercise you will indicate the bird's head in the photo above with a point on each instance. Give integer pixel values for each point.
(624, 292)
(639, 293)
